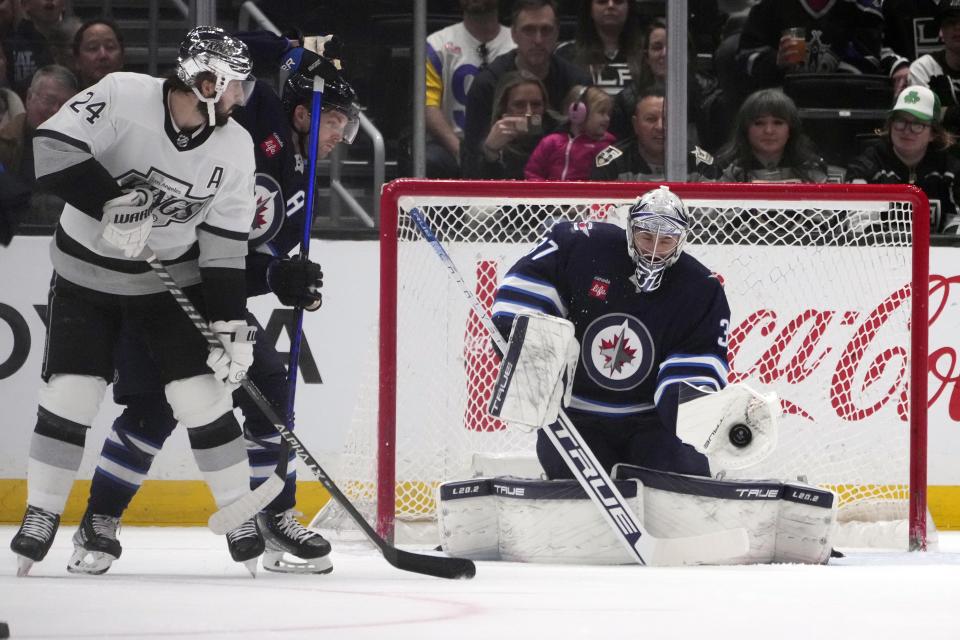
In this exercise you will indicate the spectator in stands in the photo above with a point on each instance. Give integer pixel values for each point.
(50, 88)
(520, 119)
(11, 123)
(8, 18)
(60, 40)
(608, 42)
(97, 51)
(913, 150)
(910, 30)
(940, 70)
(569, 154)
(534, 27)
(28, 47)
(455, 55)
(839, 37)
(642, 156)
(652, 69)
(768, 143)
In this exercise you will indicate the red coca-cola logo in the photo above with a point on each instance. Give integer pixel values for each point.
(865, 356)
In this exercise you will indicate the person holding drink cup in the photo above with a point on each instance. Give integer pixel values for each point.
(792, 53)
(814, 36)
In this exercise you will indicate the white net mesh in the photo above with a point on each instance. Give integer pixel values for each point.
(820, 311)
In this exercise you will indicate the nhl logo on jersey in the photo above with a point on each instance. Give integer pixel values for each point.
(617, 351)
(599, 288)
(182, 140)
(270, 211)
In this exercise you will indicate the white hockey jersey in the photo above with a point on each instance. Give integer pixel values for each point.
(453, 59)
(203, 185)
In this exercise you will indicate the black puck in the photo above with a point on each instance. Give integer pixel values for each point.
(740, 435)
(4, 630)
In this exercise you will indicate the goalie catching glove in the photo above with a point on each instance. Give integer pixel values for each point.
(735, 427)
(536, 374)
(230, 362)
(296, 282)
(128, 220)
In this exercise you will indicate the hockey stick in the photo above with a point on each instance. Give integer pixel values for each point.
(438, 566)
(239, 511)
(645, 548)
(315, 108)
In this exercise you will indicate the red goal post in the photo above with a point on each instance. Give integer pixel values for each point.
(828, 292)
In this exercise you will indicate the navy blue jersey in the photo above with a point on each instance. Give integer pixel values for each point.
(635, 348)
(281, 184)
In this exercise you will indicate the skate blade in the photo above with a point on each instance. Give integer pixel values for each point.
(23, 566)
(278, 562)
(251, 566)
(93, 563)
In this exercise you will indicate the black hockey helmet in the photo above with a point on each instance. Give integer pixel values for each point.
(338, 95)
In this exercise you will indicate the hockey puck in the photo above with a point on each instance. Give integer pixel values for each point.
(4, 630)
(740, 435)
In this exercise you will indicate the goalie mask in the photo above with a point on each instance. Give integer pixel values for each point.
(657, 227)
(211, 50)
(338, 95)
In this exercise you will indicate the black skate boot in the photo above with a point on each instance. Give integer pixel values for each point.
(245, 545)
(95, 544)
(34, 538)
(283, 534)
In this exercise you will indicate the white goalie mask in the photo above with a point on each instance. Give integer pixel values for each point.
(657, 227)
(212, 50)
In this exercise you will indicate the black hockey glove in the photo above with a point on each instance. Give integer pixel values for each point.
(297, 282)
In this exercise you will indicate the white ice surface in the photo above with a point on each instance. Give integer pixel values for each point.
(181, 583)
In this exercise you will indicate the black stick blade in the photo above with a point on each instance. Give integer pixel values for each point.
(436, 566)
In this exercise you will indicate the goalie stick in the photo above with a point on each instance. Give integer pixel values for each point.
(438, 566)
(644, 548)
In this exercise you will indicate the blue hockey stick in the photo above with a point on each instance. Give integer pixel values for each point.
(643, 547)
(295, 339)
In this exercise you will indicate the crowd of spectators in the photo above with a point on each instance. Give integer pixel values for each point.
(519, 121)
(46, 57)
(507, 97)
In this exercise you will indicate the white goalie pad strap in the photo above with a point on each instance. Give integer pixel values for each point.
(735, 427)
(536, 373)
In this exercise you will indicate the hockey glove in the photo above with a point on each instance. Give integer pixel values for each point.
(128, 220)
(230, 362)
(296, 282)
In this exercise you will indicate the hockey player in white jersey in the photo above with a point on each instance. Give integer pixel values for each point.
(139, 160)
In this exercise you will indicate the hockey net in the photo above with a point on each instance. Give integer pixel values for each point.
(827, 286)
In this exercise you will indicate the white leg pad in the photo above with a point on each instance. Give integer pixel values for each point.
(73, 397)
(199, 400)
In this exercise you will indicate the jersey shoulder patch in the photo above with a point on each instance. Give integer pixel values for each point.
(608, 155)
(702, 156)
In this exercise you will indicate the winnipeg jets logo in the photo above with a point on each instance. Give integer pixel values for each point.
(617, 351)
(270, 211)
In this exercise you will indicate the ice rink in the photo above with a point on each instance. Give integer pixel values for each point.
(181, 583)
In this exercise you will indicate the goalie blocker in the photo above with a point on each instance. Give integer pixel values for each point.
(552, 521)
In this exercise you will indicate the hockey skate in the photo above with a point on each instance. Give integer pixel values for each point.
(246, 544)
(95, 544)
(282, 533)
(34, 538)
